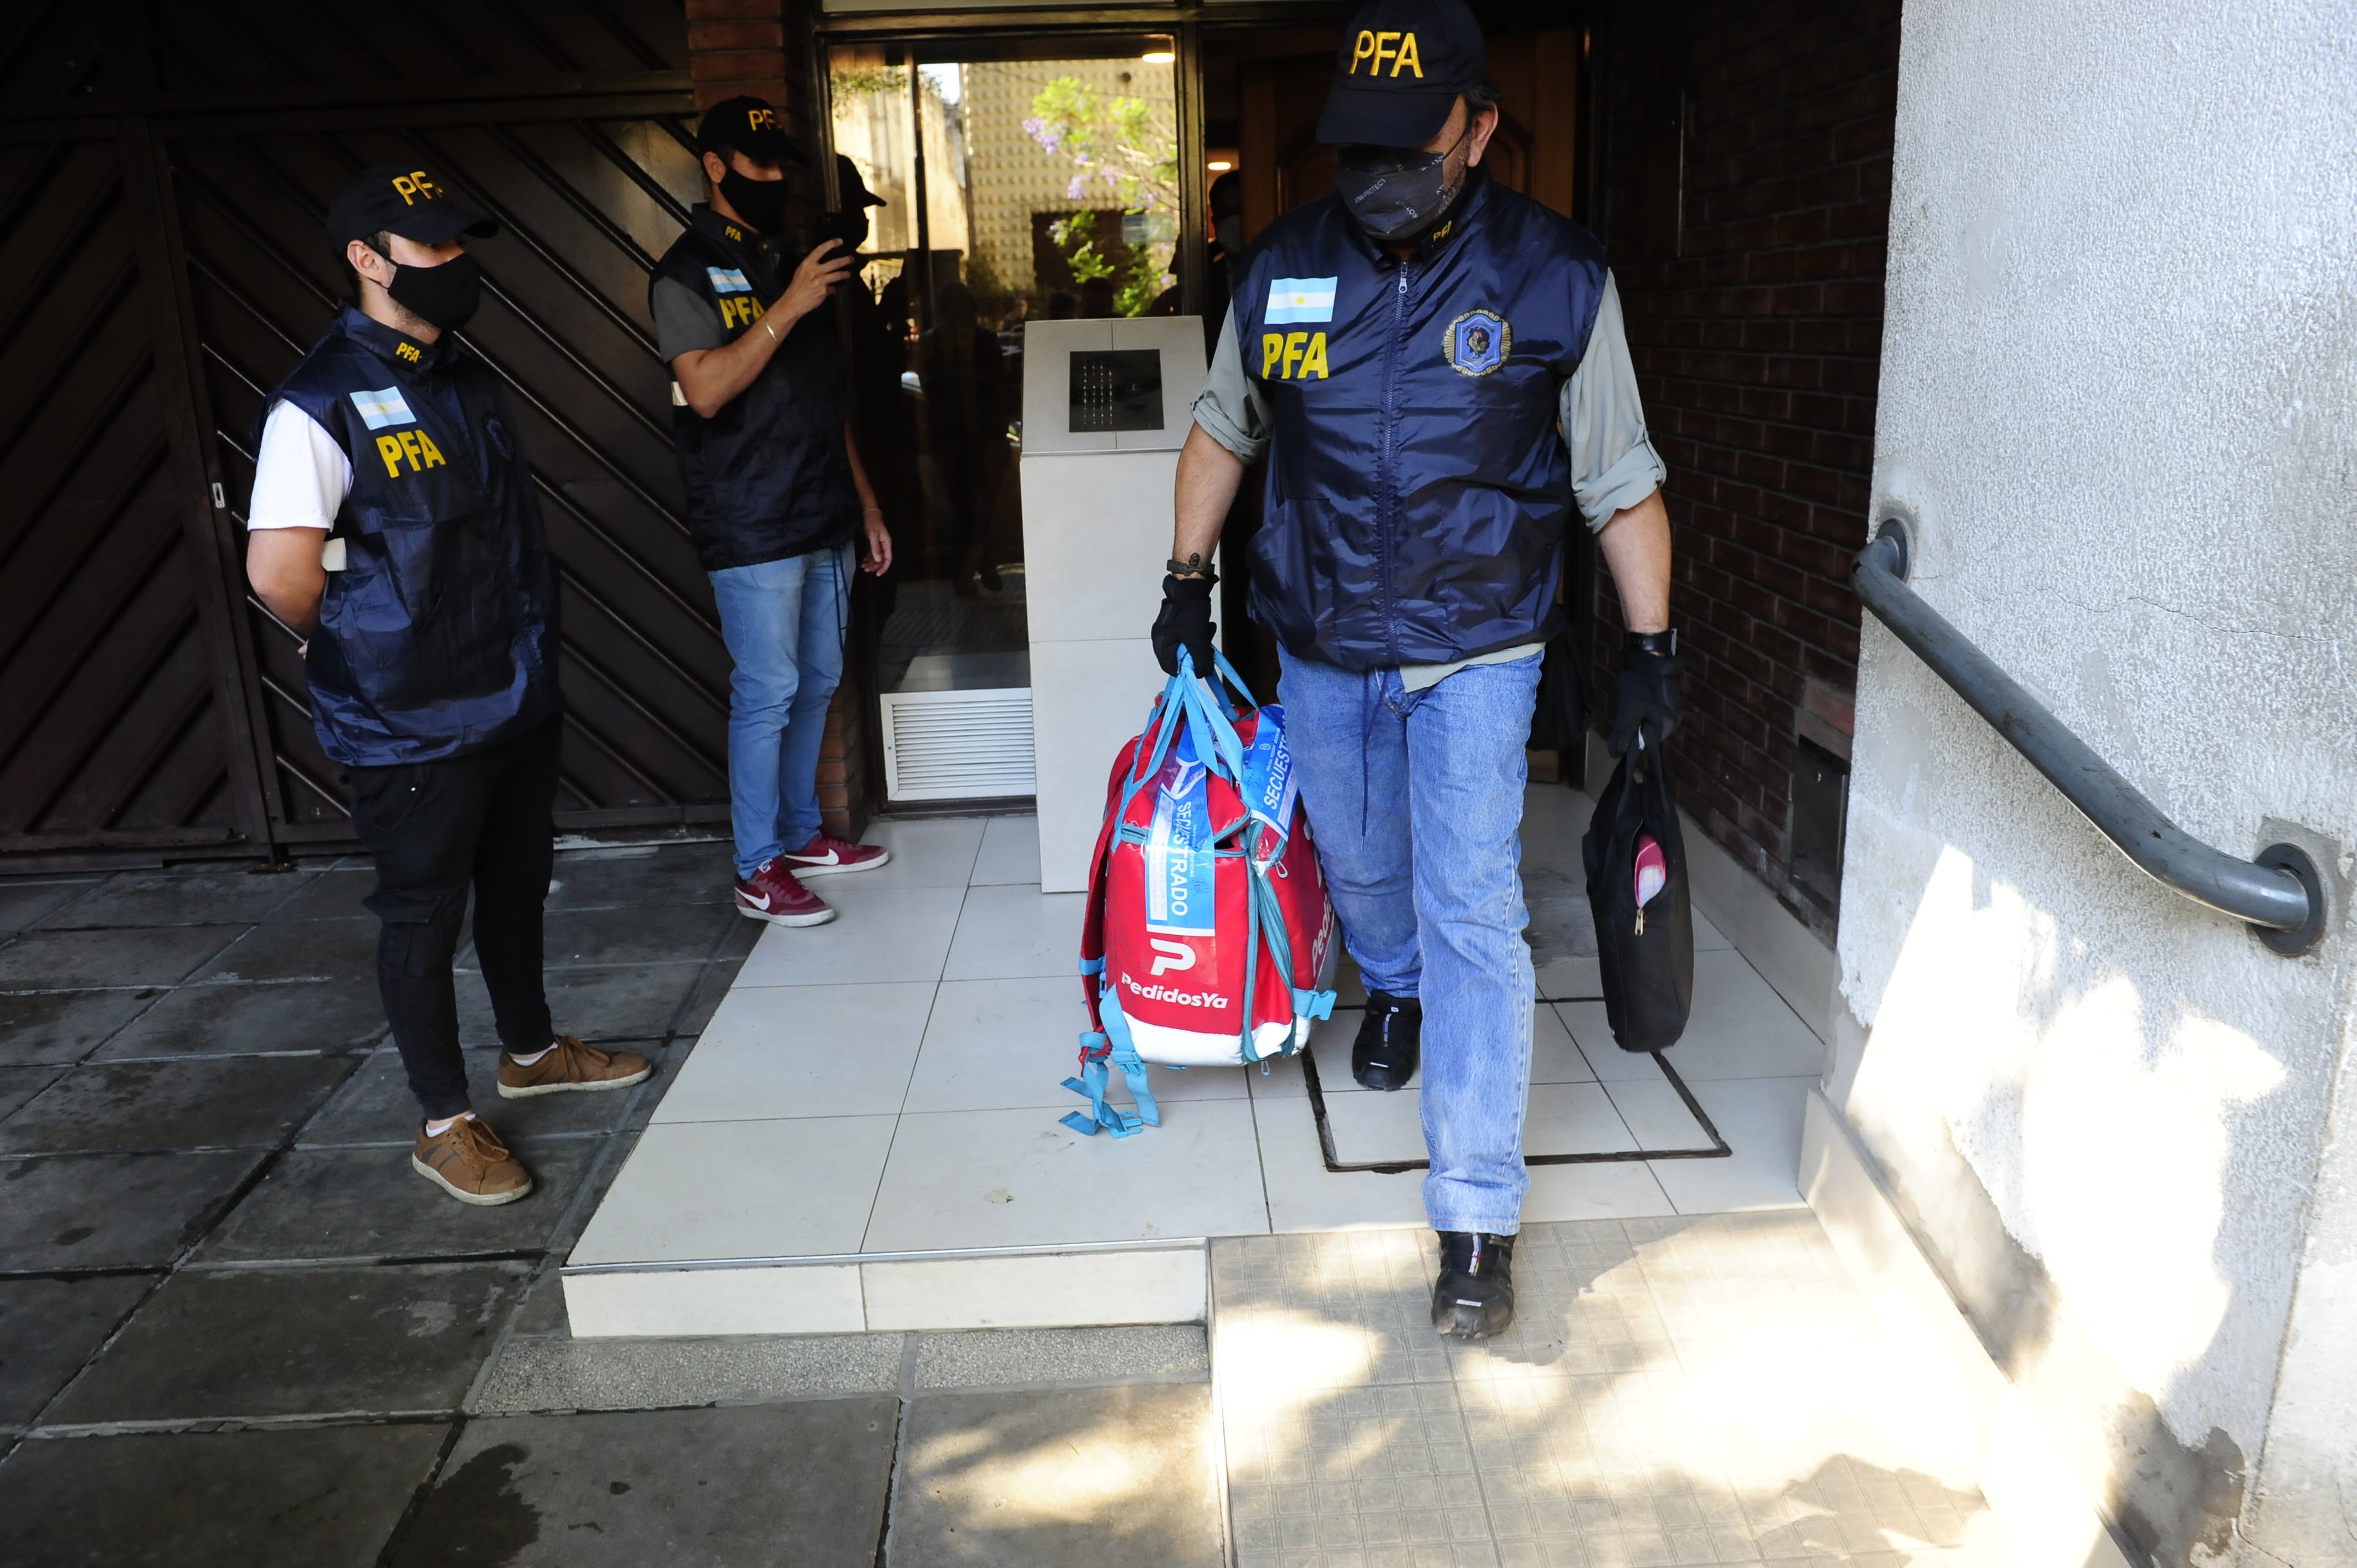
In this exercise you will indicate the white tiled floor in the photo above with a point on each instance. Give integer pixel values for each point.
(1016, 1178)
(891, 1083)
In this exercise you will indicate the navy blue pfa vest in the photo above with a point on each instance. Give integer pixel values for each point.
(768, 476)
(439, 635)
(1418, 489)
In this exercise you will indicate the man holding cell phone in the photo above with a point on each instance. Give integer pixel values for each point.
(778, 501)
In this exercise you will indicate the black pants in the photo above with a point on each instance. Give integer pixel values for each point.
(483, 820)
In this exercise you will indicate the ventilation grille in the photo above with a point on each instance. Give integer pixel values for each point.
(957, 746)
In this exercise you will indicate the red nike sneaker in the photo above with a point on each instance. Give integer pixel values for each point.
(773, 894)
(826, 855)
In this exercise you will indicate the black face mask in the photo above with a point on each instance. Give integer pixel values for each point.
(761, 202)
(444, 296)
(1396, 193)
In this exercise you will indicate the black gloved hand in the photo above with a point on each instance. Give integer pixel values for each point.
(1648, 694)
(1185, 621)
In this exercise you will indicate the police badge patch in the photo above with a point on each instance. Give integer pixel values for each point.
(1478, 342)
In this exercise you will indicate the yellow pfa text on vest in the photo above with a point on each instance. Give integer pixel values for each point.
(1399, 48)
(415, 445)
(737, 306)
(1292, 356)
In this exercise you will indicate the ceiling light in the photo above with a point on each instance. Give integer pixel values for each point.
(1159, 57)
(1220, 166)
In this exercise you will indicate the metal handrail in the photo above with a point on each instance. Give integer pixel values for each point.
(2279, 893)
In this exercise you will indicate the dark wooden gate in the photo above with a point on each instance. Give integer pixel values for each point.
(163, 178)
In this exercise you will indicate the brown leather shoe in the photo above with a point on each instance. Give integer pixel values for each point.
(569, 1064)
(467, 1161)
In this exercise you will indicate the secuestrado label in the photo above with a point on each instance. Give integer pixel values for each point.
(1270, 788)
(1181, 868)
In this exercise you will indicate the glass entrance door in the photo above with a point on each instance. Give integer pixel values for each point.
(1014, 180)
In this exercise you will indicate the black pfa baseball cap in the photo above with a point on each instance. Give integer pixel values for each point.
(850, 189)
(1398, 71)
(748, 125)
(403, 199)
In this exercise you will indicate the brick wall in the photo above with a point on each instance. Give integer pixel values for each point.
(1745, 195)
(763, 47)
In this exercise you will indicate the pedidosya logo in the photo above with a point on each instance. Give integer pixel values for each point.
(1169, 994)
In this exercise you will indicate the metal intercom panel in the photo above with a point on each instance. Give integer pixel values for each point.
(1116, 389)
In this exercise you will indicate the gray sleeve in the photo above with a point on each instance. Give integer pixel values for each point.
(1232, 411)
(1613, 463)
(685, 320)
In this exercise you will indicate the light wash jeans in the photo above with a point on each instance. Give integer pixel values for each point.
(782, 621)
(1416, 801)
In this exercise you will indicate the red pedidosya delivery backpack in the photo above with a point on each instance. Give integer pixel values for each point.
(1208, 936)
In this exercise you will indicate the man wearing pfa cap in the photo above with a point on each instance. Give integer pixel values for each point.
(1436, 369)
(763, 424)
(394, 525)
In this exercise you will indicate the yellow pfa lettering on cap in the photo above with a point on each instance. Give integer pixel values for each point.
(413, 186)
(760, 120)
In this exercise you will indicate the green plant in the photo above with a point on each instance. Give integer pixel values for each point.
(1116, 143)
(1076, 237)
(1143, 286)
(867, 81)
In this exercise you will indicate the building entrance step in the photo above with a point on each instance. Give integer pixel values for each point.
(867, 1135)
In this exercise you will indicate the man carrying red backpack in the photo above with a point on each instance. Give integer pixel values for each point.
(1437, 370)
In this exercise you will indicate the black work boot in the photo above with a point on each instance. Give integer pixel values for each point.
(1474, 1297)
(1385, 1055)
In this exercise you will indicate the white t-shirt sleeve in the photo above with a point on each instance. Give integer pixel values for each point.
(300, 476)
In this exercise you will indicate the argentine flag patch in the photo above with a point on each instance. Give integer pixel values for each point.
(728, 280)
(1299, 299)
(382, 407)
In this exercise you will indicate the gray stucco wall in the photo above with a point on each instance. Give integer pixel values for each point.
(2119, 409)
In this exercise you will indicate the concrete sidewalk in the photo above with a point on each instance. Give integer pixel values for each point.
(236, 1329)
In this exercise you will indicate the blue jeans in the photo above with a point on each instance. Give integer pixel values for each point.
(1416, 801)
(782, 621)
